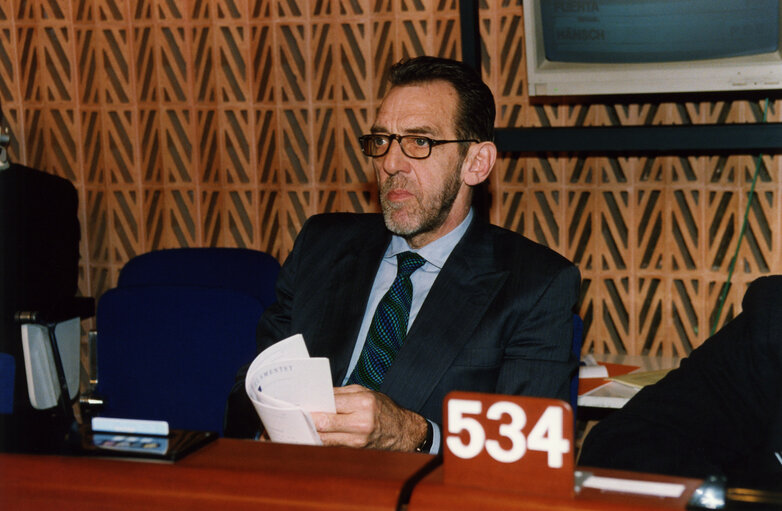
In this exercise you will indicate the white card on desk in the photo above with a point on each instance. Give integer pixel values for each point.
(137, 426)
(593, 372)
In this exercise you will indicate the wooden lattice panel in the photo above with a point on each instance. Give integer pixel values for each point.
(230, 122)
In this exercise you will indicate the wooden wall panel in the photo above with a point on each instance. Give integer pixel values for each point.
(229, 122)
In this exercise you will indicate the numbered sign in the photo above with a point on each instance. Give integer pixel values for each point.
(510, 443)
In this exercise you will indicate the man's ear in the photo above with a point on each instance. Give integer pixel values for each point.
(478, 163)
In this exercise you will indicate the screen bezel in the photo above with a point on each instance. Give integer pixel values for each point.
(546, 78)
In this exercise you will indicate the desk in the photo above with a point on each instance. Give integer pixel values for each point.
(431, 494)
(226, 474)
(612, 395)
(246, 475)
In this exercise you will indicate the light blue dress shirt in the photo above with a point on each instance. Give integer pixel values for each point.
(435, 253)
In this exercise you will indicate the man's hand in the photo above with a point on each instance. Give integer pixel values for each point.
(366, 418)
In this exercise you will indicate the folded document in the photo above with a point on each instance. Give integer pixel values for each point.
(285, 385)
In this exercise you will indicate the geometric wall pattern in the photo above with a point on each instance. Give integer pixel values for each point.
(229, 122)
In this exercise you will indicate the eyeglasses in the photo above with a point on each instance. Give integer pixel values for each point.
(413, 146)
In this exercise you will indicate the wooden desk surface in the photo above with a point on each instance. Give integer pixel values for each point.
(431, 494)
(245, 475)
(227, 474)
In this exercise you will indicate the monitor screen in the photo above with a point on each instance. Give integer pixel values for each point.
(640, 46)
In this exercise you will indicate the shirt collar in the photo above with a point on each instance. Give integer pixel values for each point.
(436, 252)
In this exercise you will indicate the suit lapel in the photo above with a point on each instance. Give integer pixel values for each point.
(456, 303)
(342, 314)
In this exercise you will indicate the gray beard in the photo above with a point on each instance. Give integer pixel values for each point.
(428, 217)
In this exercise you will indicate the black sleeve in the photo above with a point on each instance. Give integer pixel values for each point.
(714, 412)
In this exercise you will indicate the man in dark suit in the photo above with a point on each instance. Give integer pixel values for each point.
(491, 311)
(719, 414)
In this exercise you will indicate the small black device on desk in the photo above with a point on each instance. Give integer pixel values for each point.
(152, 440)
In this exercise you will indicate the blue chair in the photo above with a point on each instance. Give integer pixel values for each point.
(241, 269)
(173, 333)
(7, 375)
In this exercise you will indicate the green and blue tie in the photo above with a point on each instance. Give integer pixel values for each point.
(389, 325)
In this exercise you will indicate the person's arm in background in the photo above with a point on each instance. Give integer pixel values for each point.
(538, 358)
(714, 411)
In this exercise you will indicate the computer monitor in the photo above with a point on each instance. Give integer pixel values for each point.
(585, 47)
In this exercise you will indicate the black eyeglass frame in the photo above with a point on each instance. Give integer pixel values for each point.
(364, 139)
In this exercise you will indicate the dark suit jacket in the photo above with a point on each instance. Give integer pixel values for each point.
(720, 413)
(497, 319)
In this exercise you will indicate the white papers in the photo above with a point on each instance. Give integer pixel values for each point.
(592, 372)
(634, 486)
(285, 385)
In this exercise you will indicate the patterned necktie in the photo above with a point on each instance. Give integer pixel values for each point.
(389, 325)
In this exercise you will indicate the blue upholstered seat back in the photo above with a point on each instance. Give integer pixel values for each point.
(7, 375)
(241, 269)
(171, 352)
(175, 330)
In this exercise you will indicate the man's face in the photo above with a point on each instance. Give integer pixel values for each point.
(418, 196)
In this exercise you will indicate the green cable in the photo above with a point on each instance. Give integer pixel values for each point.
(724, 293)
